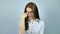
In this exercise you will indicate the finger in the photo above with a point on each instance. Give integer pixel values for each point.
(27, 13)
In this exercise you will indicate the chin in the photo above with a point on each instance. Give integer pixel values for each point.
(29, 17)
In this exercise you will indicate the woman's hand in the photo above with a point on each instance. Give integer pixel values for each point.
(24, 16)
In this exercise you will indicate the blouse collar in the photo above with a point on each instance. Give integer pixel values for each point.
(36, 20)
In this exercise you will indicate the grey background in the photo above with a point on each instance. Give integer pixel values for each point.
(11, 11)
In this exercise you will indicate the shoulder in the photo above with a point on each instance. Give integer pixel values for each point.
(40, 22)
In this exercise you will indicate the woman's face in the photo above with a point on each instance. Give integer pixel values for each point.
(30, 14)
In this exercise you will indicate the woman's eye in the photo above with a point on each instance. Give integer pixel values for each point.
(30, 12)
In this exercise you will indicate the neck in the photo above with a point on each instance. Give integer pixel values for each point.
(32, 19)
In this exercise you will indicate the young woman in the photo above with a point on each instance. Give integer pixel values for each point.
(30, 22)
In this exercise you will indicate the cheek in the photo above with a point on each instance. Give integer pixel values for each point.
(30, 14)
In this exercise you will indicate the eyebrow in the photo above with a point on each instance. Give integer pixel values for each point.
(30, 11)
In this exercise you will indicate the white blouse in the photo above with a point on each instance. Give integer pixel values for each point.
(36, 27)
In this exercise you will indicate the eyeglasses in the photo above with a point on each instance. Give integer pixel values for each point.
(30, 12)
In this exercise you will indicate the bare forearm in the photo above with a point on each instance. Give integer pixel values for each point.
(22, 30)
(22, 26)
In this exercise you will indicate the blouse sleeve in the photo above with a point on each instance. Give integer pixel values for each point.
(41, 30)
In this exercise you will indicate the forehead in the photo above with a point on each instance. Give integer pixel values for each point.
(28, 9)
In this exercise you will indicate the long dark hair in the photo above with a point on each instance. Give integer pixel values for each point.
(35, 11)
